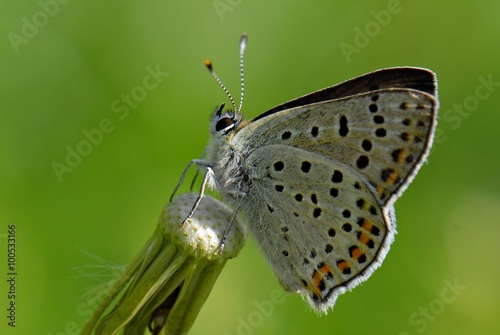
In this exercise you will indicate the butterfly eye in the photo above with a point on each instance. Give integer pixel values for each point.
(225, 123)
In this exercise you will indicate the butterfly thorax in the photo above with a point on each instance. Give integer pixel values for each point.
(226, 160)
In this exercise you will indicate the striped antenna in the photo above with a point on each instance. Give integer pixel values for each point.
(243, 44)
(209, 66)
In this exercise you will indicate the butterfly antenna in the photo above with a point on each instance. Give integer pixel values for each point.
(243, 44)
(208, 64)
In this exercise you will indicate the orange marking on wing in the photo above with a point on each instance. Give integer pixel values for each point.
(367, 225)
(316, 282)
(342, 266)
(356, 253)
(392, 178)
(363, 238)
(325, 269)
(380, 191)
(402, 156)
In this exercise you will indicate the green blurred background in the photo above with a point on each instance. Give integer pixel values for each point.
(61, 76)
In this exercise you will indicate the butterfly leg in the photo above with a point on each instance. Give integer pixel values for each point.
(181, 180)
(197, 171)
(200, 162)
(208, 176)
(229, 226)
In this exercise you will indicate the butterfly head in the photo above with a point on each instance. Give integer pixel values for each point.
(224, 122)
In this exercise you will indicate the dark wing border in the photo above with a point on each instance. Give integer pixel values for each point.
(420, 79)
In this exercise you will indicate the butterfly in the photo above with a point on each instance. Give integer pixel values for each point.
(315, 179)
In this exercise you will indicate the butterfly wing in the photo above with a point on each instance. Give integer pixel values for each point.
(363, 148)
(316, 220)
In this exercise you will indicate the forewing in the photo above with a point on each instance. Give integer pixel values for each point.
(316, 220)
(384, 135)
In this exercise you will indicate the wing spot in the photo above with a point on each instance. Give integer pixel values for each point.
(346, 213)
(362, 162)
(403, 105)
(279, 188)
(366, 145)
(285, 253)
(401, 156)
(329, 274)
(314, 131)
(357, 254)
(373, 108)
(314, 199)
(306, 166)
(378, 119)
(368, 226)
(318, 281)
(331, 232)
(363, 238)
(286, 135)
(313, 254)
(374, 98)
(299, 197)
(344, 266)
(405, 137)
(380, 132)
(343, 130)
(406, 122)
(317, 212)
(328, 248)
(337, 177)
(346, 227)
(390, 177)
(321, 285)
(270, 208)
(334, 192)
(278, 166)
(398, 155)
